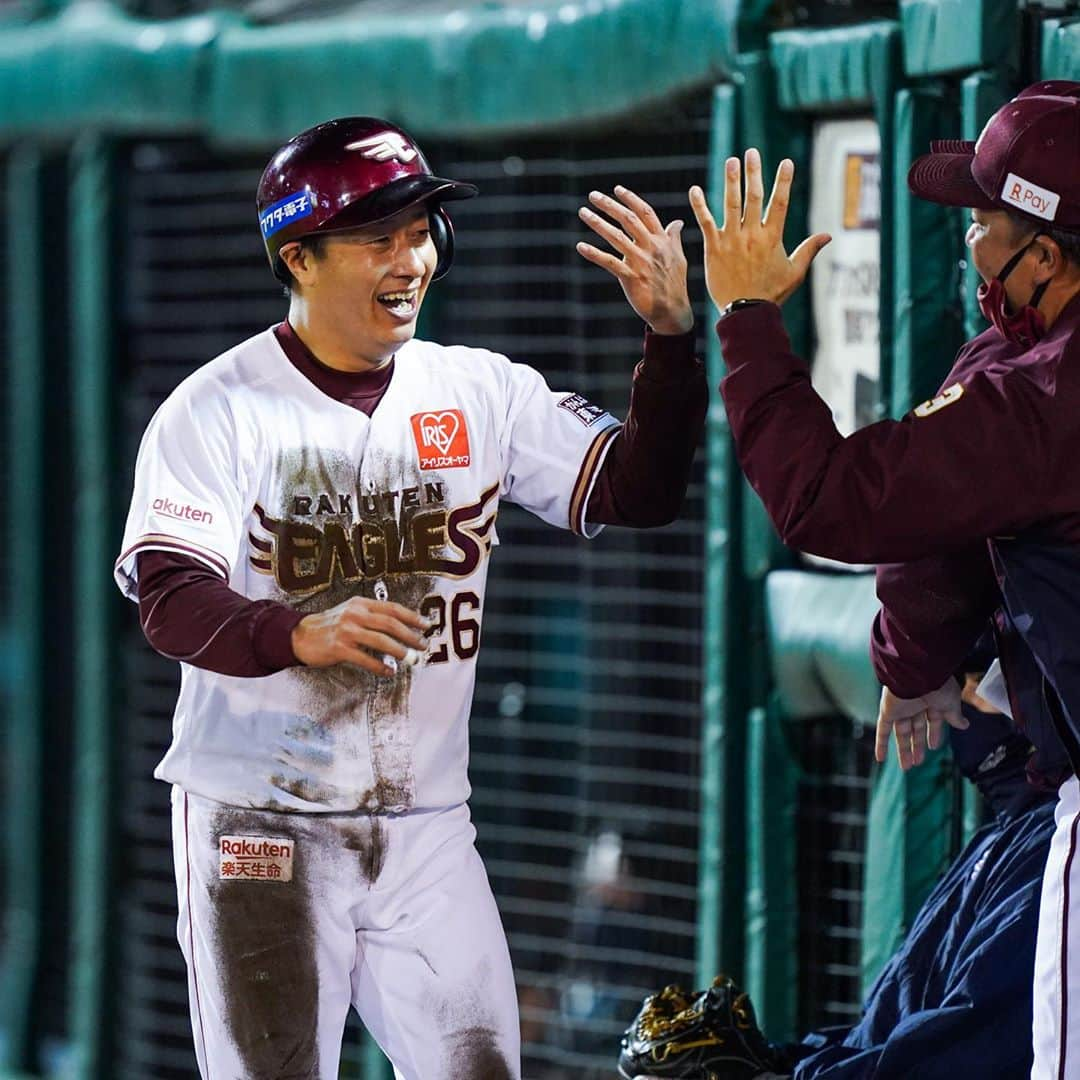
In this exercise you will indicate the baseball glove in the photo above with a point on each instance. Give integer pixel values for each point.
(707, 1035)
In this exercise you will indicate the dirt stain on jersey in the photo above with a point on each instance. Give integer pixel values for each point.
(345, 694)
(305, 788)
(366, 839)
(264, 944)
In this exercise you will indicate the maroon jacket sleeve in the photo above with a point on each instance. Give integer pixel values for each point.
(977, 465)
(644, 477)
(933, 612)
(189, 613)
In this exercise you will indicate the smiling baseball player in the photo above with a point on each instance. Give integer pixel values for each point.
(309, 534)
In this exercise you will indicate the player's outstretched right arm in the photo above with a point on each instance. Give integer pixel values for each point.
(360, 631)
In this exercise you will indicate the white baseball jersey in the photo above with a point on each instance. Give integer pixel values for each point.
(296, 497)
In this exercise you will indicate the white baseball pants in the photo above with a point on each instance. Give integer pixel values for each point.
(288, 919)
(1056, 1030)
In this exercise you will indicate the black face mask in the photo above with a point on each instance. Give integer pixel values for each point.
(1027, 325)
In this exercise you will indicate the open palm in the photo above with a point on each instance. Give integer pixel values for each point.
(745, 256)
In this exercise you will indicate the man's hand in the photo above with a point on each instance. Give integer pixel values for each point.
(652, 270)
(359, 632)
(745, 257)
(917, 723)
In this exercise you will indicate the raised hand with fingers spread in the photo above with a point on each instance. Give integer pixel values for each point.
(652, 270)
(745, 257)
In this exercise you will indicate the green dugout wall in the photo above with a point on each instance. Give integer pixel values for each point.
(692, 703)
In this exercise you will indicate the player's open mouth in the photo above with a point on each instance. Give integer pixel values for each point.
(402, 305)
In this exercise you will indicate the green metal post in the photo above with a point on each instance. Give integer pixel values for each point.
(908, 847)
(719, 937)
(26, 391)
(927, 317)
(982, 94)
(772, 893)
(94, 525)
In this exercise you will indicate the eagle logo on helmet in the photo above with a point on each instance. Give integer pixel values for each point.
(385, 146)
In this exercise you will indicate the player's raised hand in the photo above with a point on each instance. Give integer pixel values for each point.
(652, 270)
(745, 256)
(360, 632)
(917, 723)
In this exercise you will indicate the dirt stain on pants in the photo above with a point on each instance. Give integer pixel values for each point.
(264, 939)
(474, 1054)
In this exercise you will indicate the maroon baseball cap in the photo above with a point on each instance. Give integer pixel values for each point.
(1027, 159)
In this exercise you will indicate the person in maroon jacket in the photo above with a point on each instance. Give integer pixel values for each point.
(972, 500)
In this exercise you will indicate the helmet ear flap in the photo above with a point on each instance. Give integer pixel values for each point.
(442, 233)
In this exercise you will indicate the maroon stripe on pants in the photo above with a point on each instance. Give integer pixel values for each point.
(191, 937)
(1065, 950)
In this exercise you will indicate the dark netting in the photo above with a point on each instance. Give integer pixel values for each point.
(58, 736)
(836, 758)
(45, 409)
(585, 731)
(194, 282)
(585, 728)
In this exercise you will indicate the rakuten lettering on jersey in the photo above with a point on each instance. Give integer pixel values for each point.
(181, 511)
(442, 439)
(255, 858)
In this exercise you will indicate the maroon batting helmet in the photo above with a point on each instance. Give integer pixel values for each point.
(346, 173)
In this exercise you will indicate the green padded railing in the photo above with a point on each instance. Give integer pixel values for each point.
(482, 69)
(946, 36)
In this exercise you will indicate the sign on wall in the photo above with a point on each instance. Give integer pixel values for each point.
(845, 201)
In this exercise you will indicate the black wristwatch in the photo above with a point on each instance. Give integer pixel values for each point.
(738, 305)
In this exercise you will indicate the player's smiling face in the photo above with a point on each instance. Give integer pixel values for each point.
(369, 283)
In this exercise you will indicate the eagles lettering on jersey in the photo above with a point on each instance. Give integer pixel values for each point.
(395, 534)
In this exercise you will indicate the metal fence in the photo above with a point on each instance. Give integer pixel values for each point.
(194, 283)
(585, 729)
(587, 706)
(836, 759)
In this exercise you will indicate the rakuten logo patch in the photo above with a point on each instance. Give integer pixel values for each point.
(255, 858)
(181, 511)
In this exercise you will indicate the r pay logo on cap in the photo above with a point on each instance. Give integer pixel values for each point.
(1030, 198)
(442, 439)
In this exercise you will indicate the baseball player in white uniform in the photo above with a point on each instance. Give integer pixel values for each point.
(309, 533)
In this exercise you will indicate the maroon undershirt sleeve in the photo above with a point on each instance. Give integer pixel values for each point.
(188, 612)
(644, 477)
